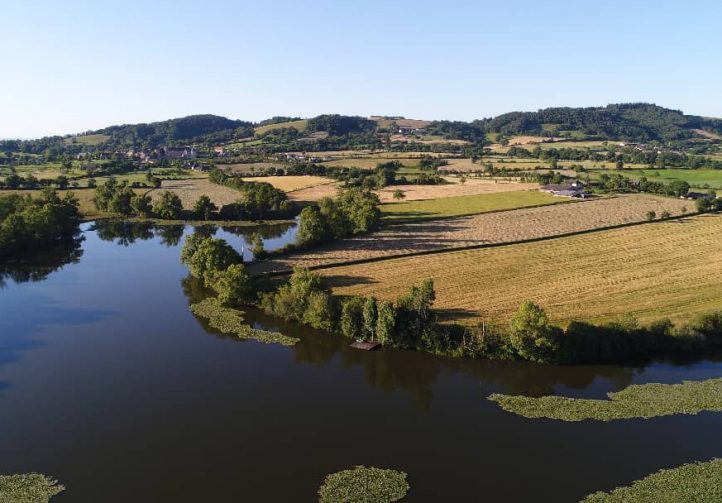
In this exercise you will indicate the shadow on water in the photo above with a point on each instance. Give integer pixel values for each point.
(125, 233)
(414, 372)
(37, 266)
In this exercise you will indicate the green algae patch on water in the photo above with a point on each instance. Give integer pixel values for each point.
(364, 485)
(230, 321)
(642, 401)
(28, 488)
(694, 482)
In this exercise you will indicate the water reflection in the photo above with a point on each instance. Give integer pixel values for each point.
(37, 266)
(125, 233)
(415, 373)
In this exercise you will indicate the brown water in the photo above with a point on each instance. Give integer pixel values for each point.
(109, 383)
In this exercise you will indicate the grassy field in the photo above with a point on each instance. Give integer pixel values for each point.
(662, 269)
(87, 139)
(467, 205)
(694, 177)
(472, 186)
(291, 183)
(190, 190)
(369, 162)
(424, 236)
(299, 125)
(690, 483)
(642, 401)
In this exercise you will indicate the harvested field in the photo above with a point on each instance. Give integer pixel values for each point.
(291, 183)
(472, 186)
(190, 190)
(368, 162)
(662, 269)
(468, 204)
(316, 192)
(251, 167)
(477, 230)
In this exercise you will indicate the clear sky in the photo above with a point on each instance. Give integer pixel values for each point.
(70, 66)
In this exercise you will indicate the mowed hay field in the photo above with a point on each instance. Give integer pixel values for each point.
(291, 183)
(478, 230)
(190, 190)
(663, 269)
(467, 205)
(472, 186)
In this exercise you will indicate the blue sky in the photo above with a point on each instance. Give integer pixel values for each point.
(77, 65)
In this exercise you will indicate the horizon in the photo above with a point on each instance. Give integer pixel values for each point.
(81, 66)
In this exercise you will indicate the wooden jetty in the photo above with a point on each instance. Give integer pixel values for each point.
(366, 346)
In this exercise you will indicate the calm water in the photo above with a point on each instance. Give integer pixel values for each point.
(109, 383)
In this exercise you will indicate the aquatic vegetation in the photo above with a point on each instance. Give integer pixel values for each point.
(690, 482)
(364, 485)
(230, 321)
(636, 401)
(28, 488)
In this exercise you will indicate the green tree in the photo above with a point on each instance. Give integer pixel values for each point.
(369, 318)
(386, 322)
(703, 204)
(312, 227)
(651, 215)
(233, 285)
(399, 194)
(140, 204)
(352, 321)
(531, 335)
(319, 312)
(168, 206)
(203, 208)
(204, 256)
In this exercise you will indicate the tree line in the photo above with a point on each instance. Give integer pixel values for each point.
(27, 223)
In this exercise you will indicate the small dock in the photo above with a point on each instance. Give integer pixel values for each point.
(366, 346)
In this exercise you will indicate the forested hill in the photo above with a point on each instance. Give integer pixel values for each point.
(639, 122)
(184, 129)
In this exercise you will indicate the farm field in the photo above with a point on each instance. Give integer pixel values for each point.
(695, 177)
(315, 192)
(472, 186)
(190, 190)
(291, 183)
(477, 230)
(369, 162)
(299, 125)
(87, 139)
(482, 202)
(84, 196)
(249, 168)
(663, 269)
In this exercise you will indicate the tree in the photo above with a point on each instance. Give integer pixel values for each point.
(92, 183)
(233, 285)
(532, 336)
(703, 204)
(678, 188)
(620, 163)
(204, 256)
(369, 318)
(651, 215)
(399, 194)
(462, 180)
(385, 322)
(168, 206)
(319, 312)
(665, 215)
(203, 208)
(140, 204)
(312, 228)
(62, 182)
(352, 322)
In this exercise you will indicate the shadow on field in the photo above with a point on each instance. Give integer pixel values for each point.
(456, 314)
(345, 280)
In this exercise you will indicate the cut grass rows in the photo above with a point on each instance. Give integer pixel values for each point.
(664, 269)
(467, 205)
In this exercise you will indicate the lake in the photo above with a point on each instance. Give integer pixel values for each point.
(109, 384)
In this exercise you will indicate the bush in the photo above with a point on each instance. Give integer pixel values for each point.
(168, 206)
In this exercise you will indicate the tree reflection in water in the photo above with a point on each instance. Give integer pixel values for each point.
(37, 266)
